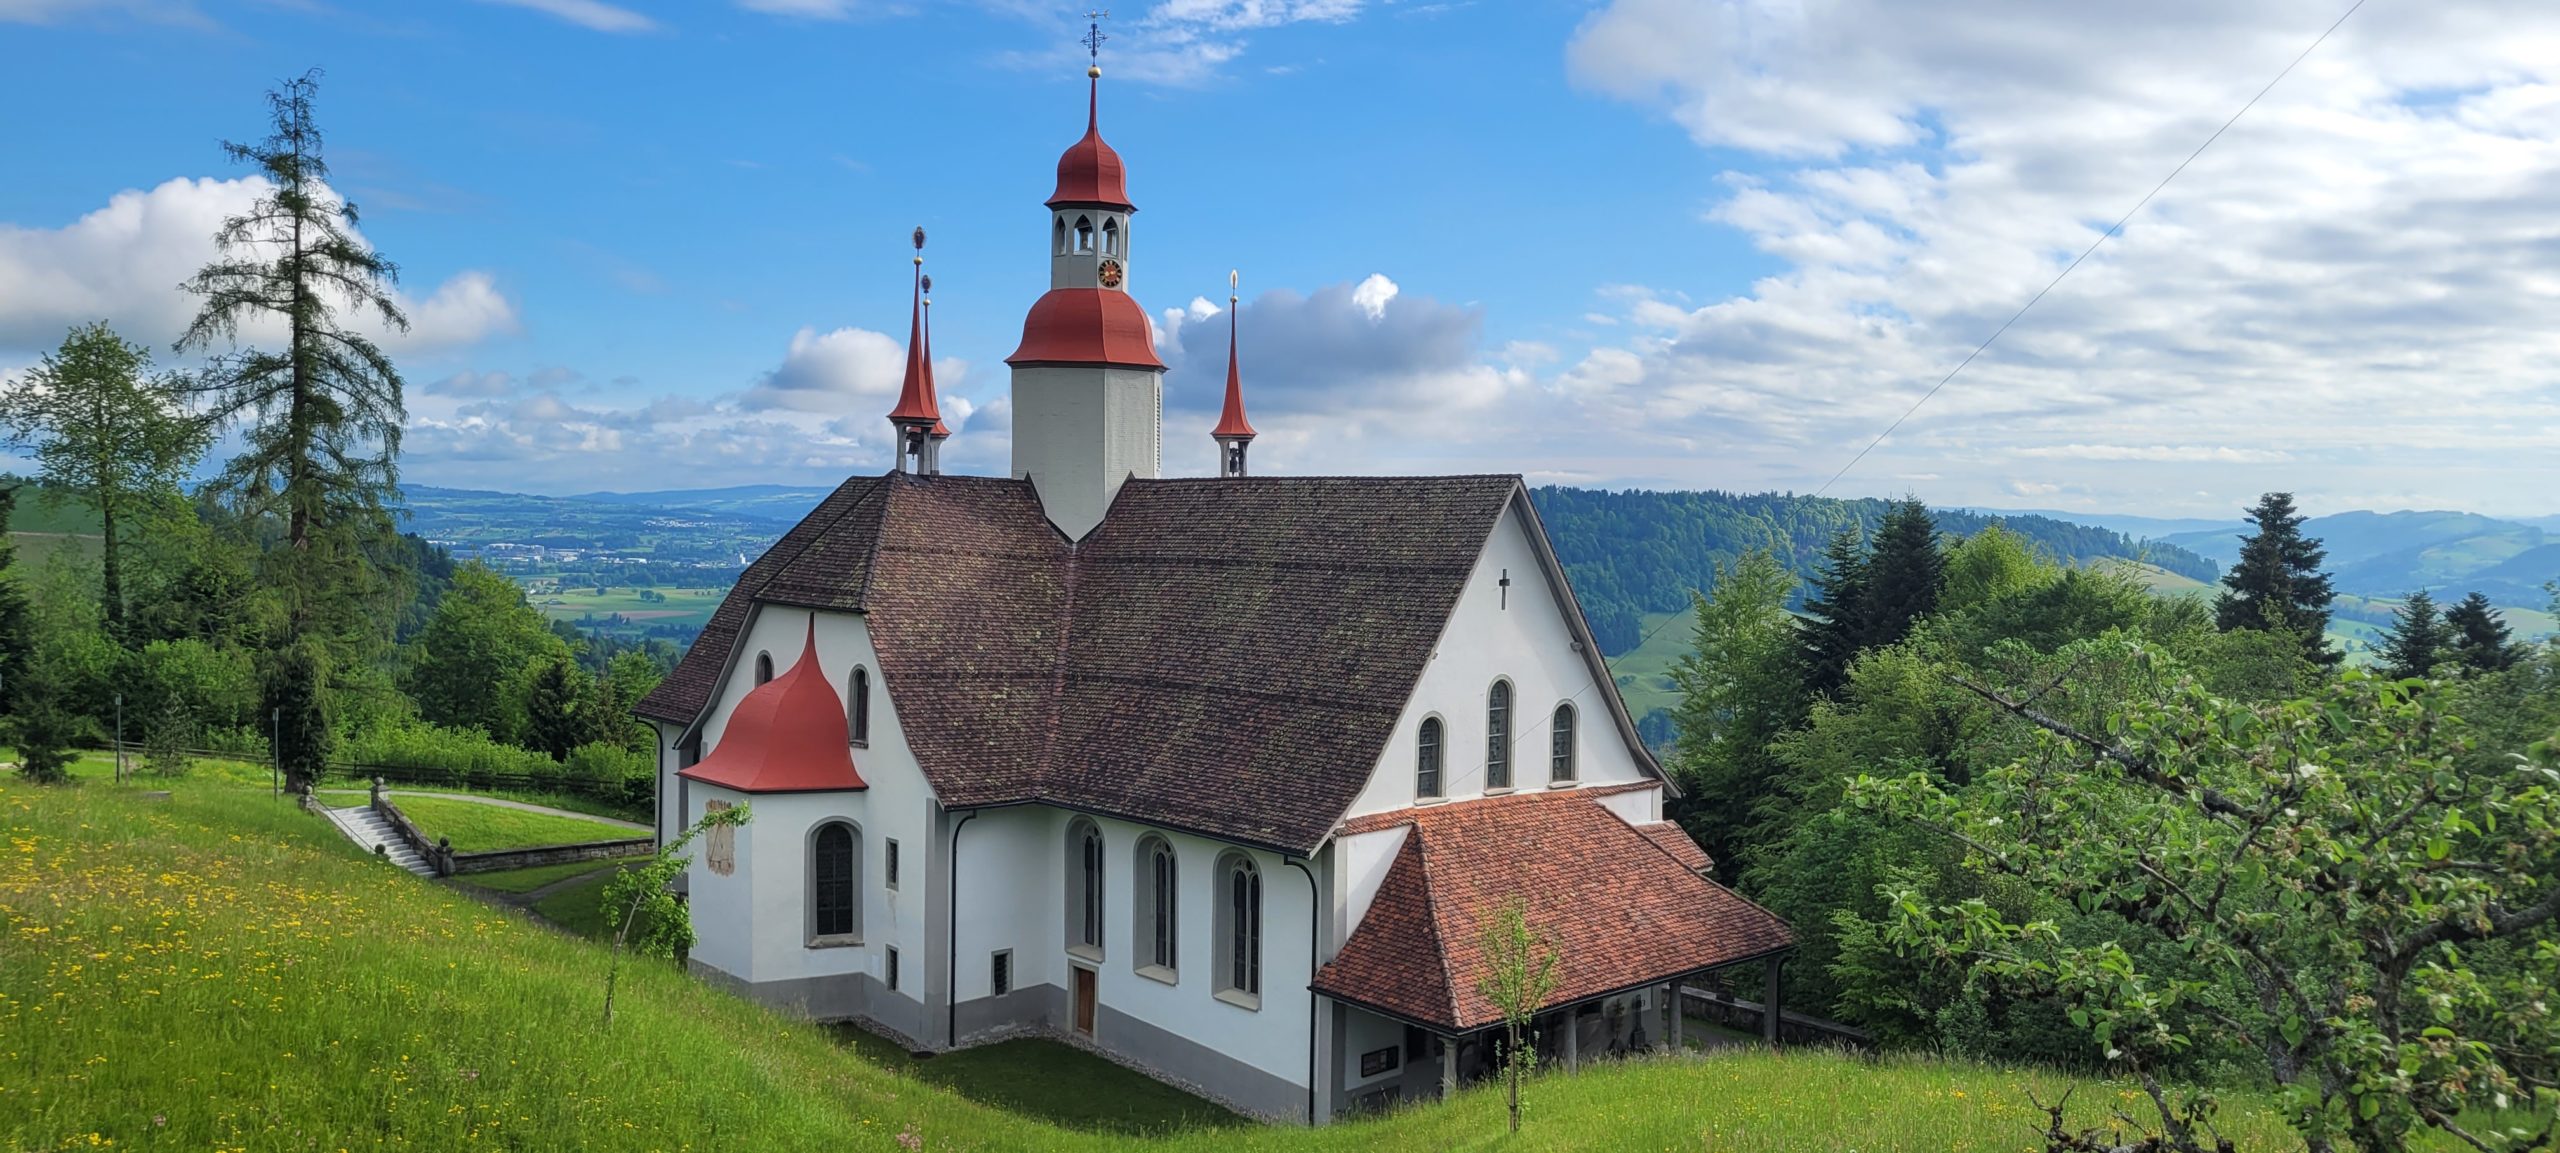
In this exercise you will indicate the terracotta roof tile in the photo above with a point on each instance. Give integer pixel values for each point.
(1672, 839)
(1620, 910)
(1221, 655)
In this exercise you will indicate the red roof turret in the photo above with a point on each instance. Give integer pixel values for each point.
(787, 736)
(1231, 422)
(1090, 172)
(1087, 326)
(916, 404)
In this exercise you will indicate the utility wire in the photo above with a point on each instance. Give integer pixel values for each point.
(2093, 247)
(1978, 350)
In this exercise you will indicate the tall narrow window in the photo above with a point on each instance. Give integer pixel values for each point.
(1426, 759)
(1058, 236)
(889, 863)
(857, 705)
(1497, 736)
(1560, 749)
(764, 667)
(1000, 972)
(1239, 931)
(1084, 234)
(1154, 925)
(835, 914)
(1084, 888)
(893, 968)
(1111, 236)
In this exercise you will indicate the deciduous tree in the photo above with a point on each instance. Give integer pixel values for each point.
(2319, 876)
(108, 432)
(481, 634)
(1521, 974)
(1739, 689)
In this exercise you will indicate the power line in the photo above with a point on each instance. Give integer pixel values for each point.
(1978, 350)
(2110, 233)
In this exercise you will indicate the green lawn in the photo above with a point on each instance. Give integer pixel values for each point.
(219, 971)
(475, 827)
(527, 880)
(1049, 1080)
(578, 908)
(681, 606)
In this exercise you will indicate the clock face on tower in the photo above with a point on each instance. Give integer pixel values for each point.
(1110, 274)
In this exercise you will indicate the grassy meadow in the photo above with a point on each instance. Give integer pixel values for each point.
(219, 970)
(475, 827)
(690, 606)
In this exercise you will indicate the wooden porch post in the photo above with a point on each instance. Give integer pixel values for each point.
(1448, 1067)
(1572, 1040)
(1679, 1017)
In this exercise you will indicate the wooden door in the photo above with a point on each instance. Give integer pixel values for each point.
(1084, 1000)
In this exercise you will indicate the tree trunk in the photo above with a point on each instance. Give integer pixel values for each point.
(110, 572)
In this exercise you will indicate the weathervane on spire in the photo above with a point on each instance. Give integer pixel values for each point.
(1093, 38)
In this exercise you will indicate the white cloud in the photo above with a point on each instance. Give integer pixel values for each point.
(594, 14)
(123, 263)
(832, 372)
(1373, 294)
(2351, 293)
(812, 9)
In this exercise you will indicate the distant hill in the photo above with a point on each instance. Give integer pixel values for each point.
(2392, 554)
(774, 501)
(1631, 554)
(2137, 527)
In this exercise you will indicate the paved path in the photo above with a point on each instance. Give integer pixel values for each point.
(501, 802)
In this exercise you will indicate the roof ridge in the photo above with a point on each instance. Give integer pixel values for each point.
(1431, 918)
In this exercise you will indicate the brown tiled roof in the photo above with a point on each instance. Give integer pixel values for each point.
(1673, 839)
(1618, 909)
(1221, 655)
(1372, 822)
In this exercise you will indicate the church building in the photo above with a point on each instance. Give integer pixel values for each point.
(1221, 776)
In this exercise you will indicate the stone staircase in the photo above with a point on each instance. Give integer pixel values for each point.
(368, 828)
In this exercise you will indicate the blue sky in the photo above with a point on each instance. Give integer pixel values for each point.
(1653, 242)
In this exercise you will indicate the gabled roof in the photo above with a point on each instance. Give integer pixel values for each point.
(1226, 656)
(785, 736)
(1618, 909)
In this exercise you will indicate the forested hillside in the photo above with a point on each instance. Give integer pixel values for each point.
(1635, 552)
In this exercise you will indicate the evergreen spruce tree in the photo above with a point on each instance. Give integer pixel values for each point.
(2481, 641)
(1739, 689)
(2418, 640)
(320, 417)
(30, 701)
(2278, 584)
(1905, 571)
(1835, 628)
(17, 636)
(105, 432)
(562, 707)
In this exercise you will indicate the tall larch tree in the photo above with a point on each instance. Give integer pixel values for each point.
(1835, 624)
(2418, 639)
(107, 432)
(320, 416)
(2481, 639)
(2278, 584)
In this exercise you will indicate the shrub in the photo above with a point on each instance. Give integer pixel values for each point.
(165, 740)
(607, 771)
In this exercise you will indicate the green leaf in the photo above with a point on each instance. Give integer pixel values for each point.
(2369, 1106)
(2293, 1030)
(2438, 849)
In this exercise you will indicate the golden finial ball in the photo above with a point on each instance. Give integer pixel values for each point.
(1094, 72)
(919, 260)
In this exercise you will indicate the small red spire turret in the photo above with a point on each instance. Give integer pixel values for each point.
(941, 432)
(786, 735)
(1233, 433)
(918, 412)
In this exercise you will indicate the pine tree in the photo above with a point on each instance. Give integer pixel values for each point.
(29, 699)
(564, 707)
(2278, 584)
(1835, 628)
(17, 638)
(2481, 641)
(105, 432)
(1905, 571)
(2418, 639)
(320, 418)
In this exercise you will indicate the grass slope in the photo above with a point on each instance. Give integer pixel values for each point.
(218, 970)
(475, 826)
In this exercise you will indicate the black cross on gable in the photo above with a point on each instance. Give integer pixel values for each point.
(1505, 582)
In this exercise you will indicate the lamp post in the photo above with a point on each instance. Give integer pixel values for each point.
(275, 750)
(119, 738)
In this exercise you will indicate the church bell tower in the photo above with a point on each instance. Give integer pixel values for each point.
(1088, 389)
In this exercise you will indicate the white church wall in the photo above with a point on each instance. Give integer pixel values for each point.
(1080, 432)
(1271, 1039)
(1364, 859)
(722, 907)
(1635, 807)
(780, 829)
(1010, 898)
(1364, 1033)
(1522, 637)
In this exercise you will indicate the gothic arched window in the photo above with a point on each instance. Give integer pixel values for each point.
(764, 667)
(1426, 758)
(1084, 234)
(1239, 930)
(1560, 745)
(835, 884)
(857, 705)
(1497, 736)
(1111, 236)
(1084, 887)
(1155, 925)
